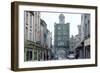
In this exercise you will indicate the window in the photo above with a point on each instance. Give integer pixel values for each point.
(30, 36)
(29, 55)
(85, 25)
(65, 28)
(59, 33)
(64, 38)
(26, 18)
(81, 17)
(88, 21)
(85, 16)
(85, 29)
(30, 20)
(30, 29)
(35, 25)
(39, 55)
(60, 43)
(87, 52)
(64, 33)
(35, 55)
(59, 28)
(59, 38)
(35, 30)
(26, 33)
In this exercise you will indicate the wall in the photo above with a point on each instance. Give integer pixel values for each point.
(5, 37)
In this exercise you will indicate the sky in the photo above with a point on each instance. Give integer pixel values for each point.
(50, 18)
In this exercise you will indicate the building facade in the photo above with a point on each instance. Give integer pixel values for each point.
(83, 47)
(86, 34)
(72, 43)
(85, 26)
(49, 39)
(43, 32)
(34, 38)
(61, 37)
(46, 38)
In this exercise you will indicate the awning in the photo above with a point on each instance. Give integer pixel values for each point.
(87, 42)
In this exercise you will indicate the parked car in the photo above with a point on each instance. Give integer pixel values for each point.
(71, 56)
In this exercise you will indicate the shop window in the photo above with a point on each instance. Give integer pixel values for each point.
(29, 55)
(35, 55)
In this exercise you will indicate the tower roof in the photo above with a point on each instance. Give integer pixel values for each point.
(61, 16)
(61, 19)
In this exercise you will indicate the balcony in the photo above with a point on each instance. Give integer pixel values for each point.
(34, 45)
(29, 44)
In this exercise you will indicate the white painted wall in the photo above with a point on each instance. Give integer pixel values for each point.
(5, 37)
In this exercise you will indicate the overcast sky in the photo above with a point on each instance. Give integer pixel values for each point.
(51, 18)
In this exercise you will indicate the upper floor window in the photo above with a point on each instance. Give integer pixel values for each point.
(64, 38)
(59, 28)
(59, 38)
(88, 21)
(26, 18)
(60, 43)
(64, 33)
(65, 28)
(30, 20)
(30, 36)
(59, 33)
(26, 33)
(85, 16)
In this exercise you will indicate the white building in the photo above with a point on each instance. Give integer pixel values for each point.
(31, 33)
(32, 26)
(35, 37)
